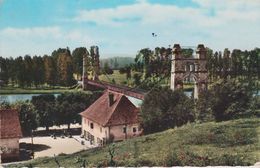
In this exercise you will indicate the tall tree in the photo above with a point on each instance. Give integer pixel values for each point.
(77, 58)
(50, 70)
(28, 63)
(38, 70)
(20, 71)
(4, 70)
(65, 68)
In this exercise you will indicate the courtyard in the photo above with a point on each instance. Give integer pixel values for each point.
(48, 146)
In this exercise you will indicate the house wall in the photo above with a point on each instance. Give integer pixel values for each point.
(107, 132)
(12, 143)
(97, 131)
(118, 131)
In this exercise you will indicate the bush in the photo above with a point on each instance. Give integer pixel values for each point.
(231, 99)
(163, 109)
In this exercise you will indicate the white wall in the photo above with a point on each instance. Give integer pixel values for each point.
(98, 131)
(119, 134)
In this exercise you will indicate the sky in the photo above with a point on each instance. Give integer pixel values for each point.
(122, 27)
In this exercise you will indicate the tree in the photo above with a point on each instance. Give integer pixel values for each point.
(20, 71)
(203, 107)
(45, 110)
(231, 99)
(116, 64)
(77, 59)
(69, 105)
(38, 70)
(107, 69)
(65, 68)
(163, 109)
(50, 70)
(27, 116)
(137, 79)
(4, 70)
(28, 74)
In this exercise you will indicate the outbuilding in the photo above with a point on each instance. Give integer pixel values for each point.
(10, 133)
(112, 117)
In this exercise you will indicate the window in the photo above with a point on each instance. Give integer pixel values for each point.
(100, 129)
(134, 129)
(88, 123)
(124, 130)
(139, 128)
(91, 125)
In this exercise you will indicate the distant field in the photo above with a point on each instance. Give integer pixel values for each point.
(230, 143)
(118, 78)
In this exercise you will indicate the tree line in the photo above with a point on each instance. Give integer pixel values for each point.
(61, 68)
(238, 64)
(47, 110)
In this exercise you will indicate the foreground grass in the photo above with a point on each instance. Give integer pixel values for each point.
(226, 143)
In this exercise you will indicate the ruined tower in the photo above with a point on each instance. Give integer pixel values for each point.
(192, 68)
(94, 52)
(85, 69)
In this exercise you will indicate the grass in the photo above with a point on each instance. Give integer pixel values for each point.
(233, 142)
(118, 78)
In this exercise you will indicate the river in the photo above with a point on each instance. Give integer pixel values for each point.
(12, 98)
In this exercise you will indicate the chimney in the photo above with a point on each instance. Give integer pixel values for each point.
(111, 99)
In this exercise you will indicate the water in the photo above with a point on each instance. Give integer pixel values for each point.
(12, 98)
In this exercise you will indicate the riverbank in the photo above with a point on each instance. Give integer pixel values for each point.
(42, 90)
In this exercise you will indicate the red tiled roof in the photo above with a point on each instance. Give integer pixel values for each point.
(9, 124)
(122, 110)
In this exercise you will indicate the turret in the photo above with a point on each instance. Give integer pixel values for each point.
(176, 51)
(201, 51)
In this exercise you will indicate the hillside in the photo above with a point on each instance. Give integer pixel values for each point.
(233, 142)
(117, 62)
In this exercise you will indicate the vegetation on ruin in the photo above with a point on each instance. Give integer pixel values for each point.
(234, 142)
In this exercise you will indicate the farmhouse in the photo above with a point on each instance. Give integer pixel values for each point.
(112, 117)
(10, 132)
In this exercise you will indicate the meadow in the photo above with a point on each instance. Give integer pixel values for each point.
(234, 142)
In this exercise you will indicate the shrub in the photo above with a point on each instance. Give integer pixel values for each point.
(163, 109)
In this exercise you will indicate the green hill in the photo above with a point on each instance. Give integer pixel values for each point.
(233, 142)
(117, 62)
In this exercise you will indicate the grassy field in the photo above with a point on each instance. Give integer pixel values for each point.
(118, 78)
(233, 142)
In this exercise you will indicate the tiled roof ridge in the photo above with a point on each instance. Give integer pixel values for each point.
(103, 112)
(114, 106)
